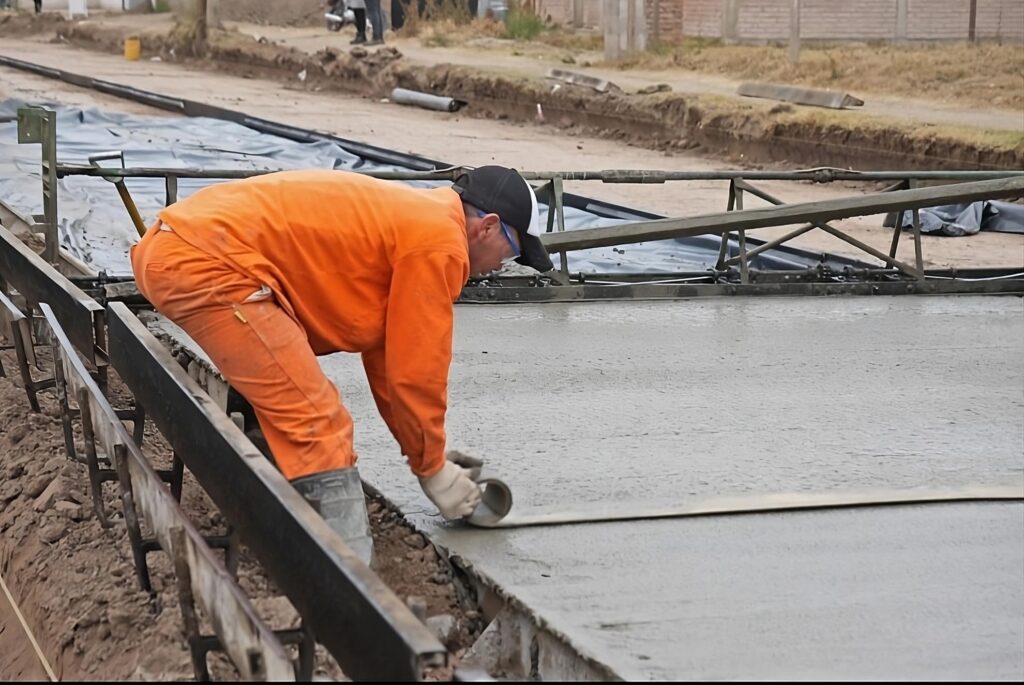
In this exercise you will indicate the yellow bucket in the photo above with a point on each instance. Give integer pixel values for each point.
(132, 48)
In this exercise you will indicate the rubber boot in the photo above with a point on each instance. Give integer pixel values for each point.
(337, 495)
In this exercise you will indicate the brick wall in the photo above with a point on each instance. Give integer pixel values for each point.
(670, 20)
(768, 20)
(702, 18)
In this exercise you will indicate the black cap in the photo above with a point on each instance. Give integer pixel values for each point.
(502, 191)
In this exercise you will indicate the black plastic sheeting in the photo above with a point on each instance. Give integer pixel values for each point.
(965, 219)
(95, 227)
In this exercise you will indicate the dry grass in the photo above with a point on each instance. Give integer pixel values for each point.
(990, 75)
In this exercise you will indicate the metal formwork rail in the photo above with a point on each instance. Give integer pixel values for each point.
(348, 608)
(38, 281)
(368, 629)
(252, 647)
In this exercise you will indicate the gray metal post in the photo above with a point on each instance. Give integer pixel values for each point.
(723, 247)
(39, 125)
(901, 21)
(744, 268)
(730, 18)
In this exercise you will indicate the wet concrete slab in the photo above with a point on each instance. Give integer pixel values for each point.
(637, 404)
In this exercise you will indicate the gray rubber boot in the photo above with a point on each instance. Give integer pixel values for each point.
(338, 496)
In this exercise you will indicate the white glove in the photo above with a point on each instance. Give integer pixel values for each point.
(452, 489)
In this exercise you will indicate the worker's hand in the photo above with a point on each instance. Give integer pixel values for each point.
(452, 490)
(467, 462)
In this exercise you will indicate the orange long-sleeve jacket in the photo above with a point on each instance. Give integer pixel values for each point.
(363, 265)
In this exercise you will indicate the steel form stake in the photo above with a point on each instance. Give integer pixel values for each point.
(186, 602)
(171, 190)
(744, 269)
(39, 125)
(96, 474)
(723, 248)
(918, 250)
(131, 519)
(556, 214)
(902, 185)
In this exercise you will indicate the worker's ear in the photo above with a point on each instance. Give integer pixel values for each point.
(489, 223)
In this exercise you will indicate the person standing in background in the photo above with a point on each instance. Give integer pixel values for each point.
(373, 13)
(358, 8)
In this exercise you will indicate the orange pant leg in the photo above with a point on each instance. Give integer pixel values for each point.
(261, 351)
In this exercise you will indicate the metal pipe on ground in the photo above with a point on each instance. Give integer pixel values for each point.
(403, 96)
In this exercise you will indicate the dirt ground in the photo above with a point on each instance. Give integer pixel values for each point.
(75, 582)
(689, 110)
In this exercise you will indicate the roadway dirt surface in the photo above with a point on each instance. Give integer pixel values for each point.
(18, 660)
(75, 581)
(757, 130)
(463, 140)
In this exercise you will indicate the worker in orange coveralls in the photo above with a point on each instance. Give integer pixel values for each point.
(268, 272)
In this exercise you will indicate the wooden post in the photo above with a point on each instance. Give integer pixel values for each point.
(794, 32)
(973, 23)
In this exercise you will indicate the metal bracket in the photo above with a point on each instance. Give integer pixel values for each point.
(251, 646)
(39, 125)
(16, 327)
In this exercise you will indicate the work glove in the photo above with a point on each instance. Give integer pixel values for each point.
(453, 489)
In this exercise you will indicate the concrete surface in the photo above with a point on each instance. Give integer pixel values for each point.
(653, 403)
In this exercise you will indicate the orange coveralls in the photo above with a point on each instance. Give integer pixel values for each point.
(268, 272)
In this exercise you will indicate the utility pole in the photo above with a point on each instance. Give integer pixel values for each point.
(794, 32)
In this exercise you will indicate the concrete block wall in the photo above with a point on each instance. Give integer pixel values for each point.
(855, 20)
(849, 20)
(1001, 19)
